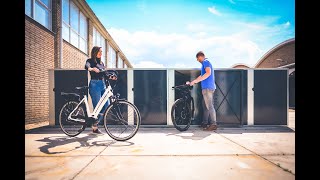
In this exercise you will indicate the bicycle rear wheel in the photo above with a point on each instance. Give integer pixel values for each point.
(181, 115)
(69, 127)
(122, 120)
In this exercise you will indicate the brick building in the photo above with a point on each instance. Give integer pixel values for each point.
(240, 66)
(59, 34)
(280, 56)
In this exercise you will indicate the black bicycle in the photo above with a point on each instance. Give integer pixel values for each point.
(121, 118)
(182, 110)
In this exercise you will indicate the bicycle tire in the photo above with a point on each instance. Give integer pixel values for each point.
(177, 105)
(66, 109)
(111, 121)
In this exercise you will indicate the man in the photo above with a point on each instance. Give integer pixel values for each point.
(208, 87)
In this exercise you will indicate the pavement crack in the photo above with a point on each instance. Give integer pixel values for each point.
(259, 154)
(91, 161)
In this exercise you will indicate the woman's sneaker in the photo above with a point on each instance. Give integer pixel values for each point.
(97, 131)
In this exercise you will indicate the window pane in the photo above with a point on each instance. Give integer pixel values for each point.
(65, 11)
(65, 32)
(83, 26)
(74, 39)
(109, 56)
(41, 15)
(46, 2)
(74, 13)
(120, 62)
(27, 7)
(83, 45)
(101, 40)
(103, 51)
(113, 57)
(94, 36)
(96, 43)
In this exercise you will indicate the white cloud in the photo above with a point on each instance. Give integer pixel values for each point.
(179, 65)
(197, 27)
(178, 50)
(214, 11)
(265, 32)
(232, 2)
(287, 24)
(148, 64)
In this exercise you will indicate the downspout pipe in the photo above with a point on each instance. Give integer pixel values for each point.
(61, 39)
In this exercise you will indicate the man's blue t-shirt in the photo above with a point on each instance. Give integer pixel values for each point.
(209, 82)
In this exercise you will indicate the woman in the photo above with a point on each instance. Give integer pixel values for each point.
(97, 85)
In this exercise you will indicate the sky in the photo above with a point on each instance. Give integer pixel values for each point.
(169, 33)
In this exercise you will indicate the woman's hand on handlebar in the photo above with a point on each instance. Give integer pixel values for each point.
(94, 69)
(113, 78)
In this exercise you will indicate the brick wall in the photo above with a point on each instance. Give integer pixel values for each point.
(286, 53)
(73, 58)
(39, 58)
(56, 20)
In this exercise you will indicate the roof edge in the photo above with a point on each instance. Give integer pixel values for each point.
(268, 53)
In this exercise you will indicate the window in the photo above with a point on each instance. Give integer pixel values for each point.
(74, 26)
(98, 40)
(120, 62)
(39, 10)
(112, 58)
(28, 8)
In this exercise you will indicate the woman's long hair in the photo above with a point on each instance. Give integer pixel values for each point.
(94, 52)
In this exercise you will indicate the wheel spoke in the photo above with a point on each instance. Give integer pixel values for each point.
(117, 121)
(180, 114)
(70, 127)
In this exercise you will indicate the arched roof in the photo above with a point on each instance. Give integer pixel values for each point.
(280, 55)
(240, 65)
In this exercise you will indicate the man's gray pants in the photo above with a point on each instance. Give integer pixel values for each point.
(209, 113)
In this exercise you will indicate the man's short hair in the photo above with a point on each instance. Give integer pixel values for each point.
(200, 53)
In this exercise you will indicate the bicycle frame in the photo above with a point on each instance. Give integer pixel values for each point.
(187, 98)
(106, 95)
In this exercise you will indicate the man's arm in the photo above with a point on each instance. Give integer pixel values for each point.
(201, 78)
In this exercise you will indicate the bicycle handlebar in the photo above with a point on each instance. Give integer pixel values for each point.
(109, 73)
(182, 86)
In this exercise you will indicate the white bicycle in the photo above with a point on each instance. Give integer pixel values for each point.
(121, 118)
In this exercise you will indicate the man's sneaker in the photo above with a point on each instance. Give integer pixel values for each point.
(211, 127)
(202, 125)
(97, 131)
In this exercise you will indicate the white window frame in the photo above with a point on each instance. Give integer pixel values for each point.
(33, 13)
(113, 62)
(95, 34)
(120, 62)
(73, 30)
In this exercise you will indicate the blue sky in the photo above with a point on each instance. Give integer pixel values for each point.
(168, 33)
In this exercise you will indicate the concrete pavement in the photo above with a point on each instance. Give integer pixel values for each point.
(163, 153)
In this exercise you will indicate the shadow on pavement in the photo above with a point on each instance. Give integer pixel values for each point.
(193, 135)
(55, 141)
(256, 129)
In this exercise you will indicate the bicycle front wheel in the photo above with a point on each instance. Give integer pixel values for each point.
(122, 120)
(69, 127)
(181, 115)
